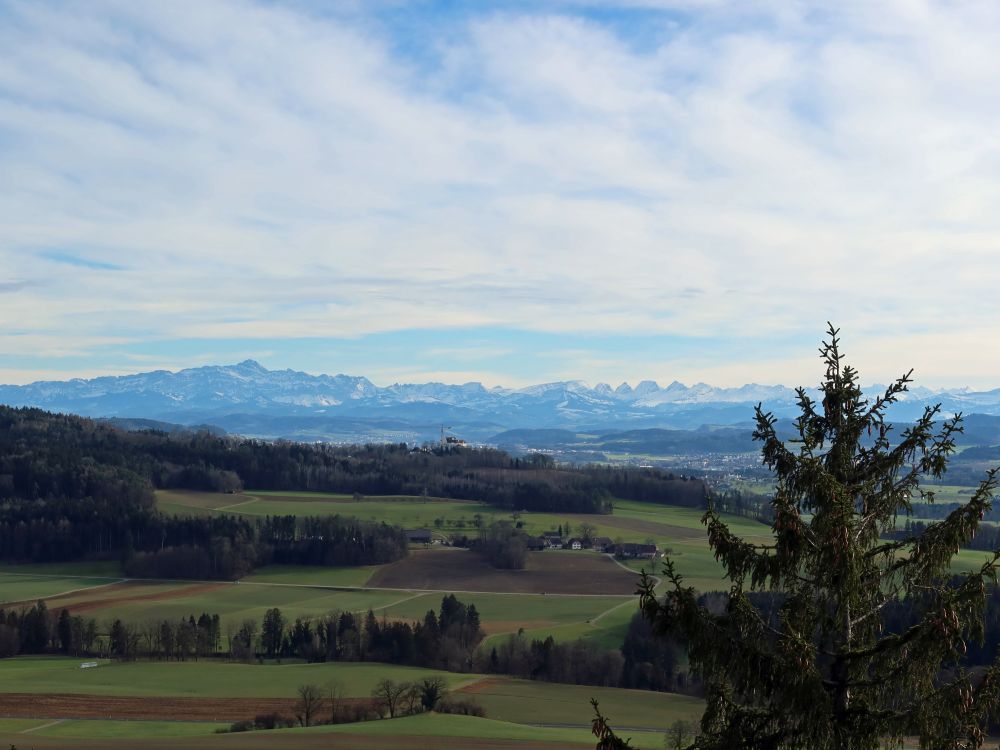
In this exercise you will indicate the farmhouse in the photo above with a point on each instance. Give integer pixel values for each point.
(575, 544)
(633, 550)
(554, 542)
(602, 543)
(418, 536)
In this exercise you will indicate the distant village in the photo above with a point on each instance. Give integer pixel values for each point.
(555, 540)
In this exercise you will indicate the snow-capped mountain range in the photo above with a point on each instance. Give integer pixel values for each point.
(250, 399)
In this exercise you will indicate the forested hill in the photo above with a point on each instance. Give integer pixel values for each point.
(53, 456)
(72, 488)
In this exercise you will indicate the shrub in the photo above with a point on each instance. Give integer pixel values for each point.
(463, 707)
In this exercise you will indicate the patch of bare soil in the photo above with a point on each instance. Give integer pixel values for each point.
(479, 686)
(118, 593)
(269, 741)
(546, 572)
(662, 531)
(78, 706)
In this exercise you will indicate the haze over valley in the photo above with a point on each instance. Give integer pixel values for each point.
(249, 399)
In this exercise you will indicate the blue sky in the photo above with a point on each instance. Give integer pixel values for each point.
(510, 192)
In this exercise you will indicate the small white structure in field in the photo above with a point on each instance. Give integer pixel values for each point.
(88, 664)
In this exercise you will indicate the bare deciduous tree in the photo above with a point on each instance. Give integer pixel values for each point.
(411, 698)
(309, 703)
(335, 692)
(387, 695)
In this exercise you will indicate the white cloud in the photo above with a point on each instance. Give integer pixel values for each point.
(259, 172)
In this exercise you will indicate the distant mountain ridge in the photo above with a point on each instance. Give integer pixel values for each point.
(250, 399)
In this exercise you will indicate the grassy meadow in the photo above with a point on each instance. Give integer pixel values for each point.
(201, 679)
(517, 709)
(677, 529)
(98, 590)
(28, 588)
(422, 731)
(526, 701)
(631, 521)
(521, 714)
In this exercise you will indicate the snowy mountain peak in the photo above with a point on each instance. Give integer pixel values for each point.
(646, 387)
(220, 394)
(250, 364)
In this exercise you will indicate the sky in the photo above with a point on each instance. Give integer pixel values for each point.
(514, 193)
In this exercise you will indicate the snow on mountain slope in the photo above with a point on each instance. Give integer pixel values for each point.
(198, 394)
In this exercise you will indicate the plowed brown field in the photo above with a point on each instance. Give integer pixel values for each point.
(546, 572)
(76, 706)
(269, 741)
(126, 593)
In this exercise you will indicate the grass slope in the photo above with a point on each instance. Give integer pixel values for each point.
(127, 729)
(27, 588)
(43, 674)
(530, 702)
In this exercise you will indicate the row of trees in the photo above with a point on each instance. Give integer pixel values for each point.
(154, 545)
(326, 704)
(502, 544)
(444, 639)
(577, 662)
(646, 661)
(35, 630)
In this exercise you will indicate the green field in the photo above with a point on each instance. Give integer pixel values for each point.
(20, 725)
(673, 528)
(209, 679)
(602, 619)
(968, 560)
(631, 521)
(236, 602)
(444, 725)
(91, 728)
(24, 587)
(315, 576)
(406, 511)
(530, 702)
(301, 591)
(517, 709)
(471, 731)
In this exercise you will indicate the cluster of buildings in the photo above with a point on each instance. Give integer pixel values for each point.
(553, 540)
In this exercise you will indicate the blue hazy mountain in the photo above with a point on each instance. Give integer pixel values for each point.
(249, 399)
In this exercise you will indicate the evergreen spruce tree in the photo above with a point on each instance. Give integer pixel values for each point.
(822, 674)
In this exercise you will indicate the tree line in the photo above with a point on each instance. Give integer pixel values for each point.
(645, 661)
(446, 639)
(326, 704)
(154, 545)
(34, 630)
